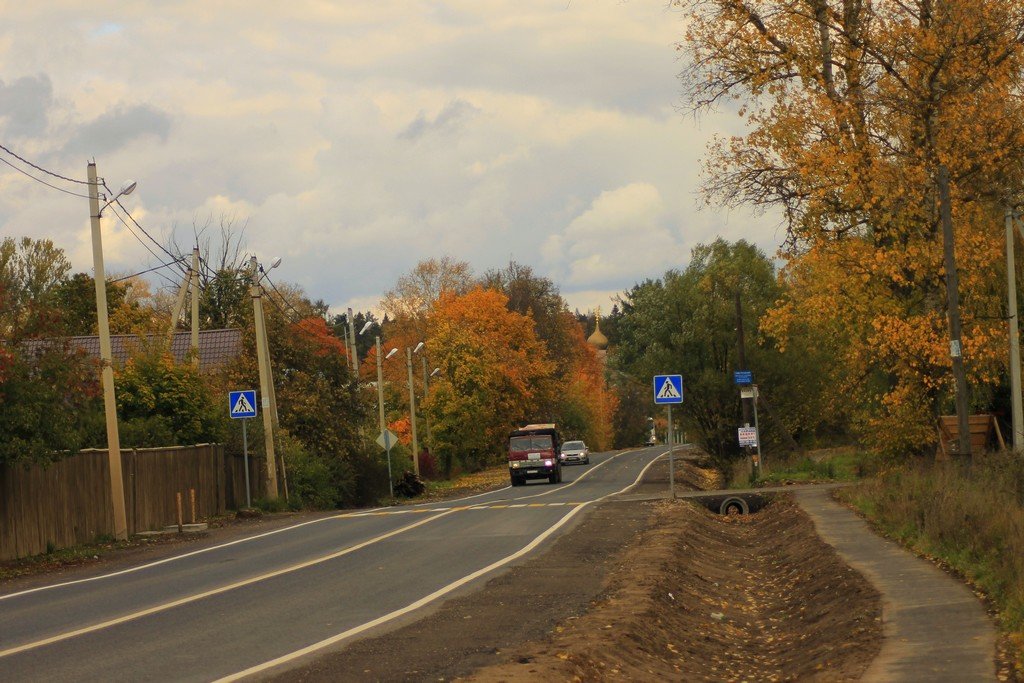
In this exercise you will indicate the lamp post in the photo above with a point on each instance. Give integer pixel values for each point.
(380, 409)
(426, 392)
(106, 357)
(412, 409)
(355, 343)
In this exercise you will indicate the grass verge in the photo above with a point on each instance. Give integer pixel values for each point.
(830, 464)
(969, 517)
(465, 484)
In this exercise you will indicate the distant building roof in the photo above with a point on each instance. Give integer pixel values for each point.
(217, 348)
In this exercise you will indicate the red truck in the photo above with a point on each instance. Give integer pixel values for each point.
(533, 454)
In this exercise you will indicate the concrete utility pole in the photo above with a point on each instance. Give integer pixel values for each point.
(412, 415)
(106, 364)
(380, 410)
(178, 305)
(195, 306)
(262, 359)
(1011, 288)
(953, 306)
(426, 418)
(354, 358)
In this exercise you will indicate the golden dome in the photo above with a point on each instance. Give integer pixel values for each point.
(598, 340)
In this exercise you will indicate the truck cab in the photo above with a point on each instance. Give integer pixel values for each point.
(533, 454)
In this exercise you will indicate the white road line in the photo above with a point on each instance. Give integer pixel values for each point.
(344, 515)
(575, 481)
(214, 591)
(175, 558)
(427, 599)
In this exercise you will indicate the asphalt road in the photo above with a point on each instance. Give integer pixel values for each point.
(242, 608)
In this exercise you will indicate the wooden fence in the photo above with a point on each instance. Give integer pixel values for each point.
(68, 502)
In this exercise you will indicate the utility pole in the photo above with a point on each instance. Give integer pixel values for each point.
(262, 359)
(195, 306)
(953, 306)
(380, 410)
(1011, 288)
(106, 364)
(741, 354)
(354, 358)
(412, 415)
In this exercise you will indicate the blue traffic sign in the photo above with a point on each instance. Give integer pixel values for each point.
(743, 376)
(242, 404)
(668, 389)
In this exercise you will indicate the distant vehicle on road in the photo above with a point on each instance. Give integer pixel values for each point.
(575, 451)
(651, 441)
(533, 454)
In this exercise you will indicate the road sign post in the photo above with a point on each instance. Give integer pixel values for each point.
(668, 389)
(241, 406)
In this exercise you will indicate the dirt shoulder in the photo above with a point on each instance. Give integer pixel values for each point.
(641, 591)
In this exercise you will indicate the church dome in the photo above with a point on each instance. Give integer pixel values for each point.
(598, 340)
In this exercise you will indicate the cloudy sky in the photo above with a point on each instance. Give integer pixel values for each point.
(354, 138)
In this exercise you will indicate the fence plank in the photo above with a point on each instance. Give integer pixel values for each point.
(67, 502)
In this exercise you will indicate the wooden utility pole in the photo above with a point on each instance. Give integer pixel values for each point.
(953, 310)
(741, 355)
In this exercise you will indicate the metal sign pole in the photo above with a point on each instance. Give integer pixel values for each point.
(671, 455)
(757, 432)
(245, 455)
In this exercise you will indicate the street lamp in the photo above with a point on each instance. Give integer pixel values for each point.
(412, 409)
(380, 408)
(106, 356)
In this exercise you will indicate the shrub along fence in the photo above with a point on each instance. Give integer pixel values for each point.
(67, 502)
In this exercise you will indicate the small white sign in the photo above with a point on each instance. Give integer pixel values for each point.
(747, 392)
(748, 436)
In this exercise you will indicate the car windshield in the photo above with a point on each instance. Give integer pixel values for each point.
(536, 442)
(572, 446)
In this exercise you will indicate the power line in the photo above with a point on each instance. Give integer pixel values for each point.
(40, 168)
(150, 270)
(39, 180)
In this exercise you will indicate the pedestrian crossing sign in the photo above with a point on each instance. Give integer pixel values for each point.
(242, 404)
(668, 389)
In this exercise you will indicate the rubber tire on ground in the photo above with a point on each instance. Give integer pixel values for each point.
(553, 478)
(518, 481)
(587, 461)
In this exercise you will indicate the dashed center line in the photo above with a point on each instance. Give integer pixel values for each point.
(496, 506)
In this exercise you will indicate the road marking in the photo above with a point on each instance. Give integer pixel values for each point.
(425, 600)
(213, 591)
(175, 558)
(577, 480)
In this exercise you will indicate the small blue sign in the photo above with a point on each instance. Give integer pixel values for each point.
(743, 376)
(668, 389)
(242, 404)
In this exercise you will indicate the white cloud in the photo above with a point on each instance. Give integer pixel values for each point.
(355, 139)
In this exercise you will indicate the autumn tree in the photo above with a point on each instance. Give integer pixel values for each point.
(862, 119)
(685, 323)
(491, 363)
(412, 299)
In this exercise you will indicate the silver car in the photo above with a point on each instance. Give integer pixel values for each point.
(575, 451)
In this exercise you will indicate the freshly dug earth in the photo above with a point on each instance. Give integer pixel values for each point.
(643, 591)
(706, 597)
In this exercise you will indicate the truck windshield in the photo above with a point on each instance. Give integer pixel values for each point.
(536, 442)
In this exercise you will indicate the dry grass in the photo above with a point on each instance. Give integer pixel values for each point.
(969, 517)
(465, 484)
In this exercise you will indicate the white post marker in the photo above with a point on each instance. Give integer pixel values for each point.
(241, 406)
(668, 389)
